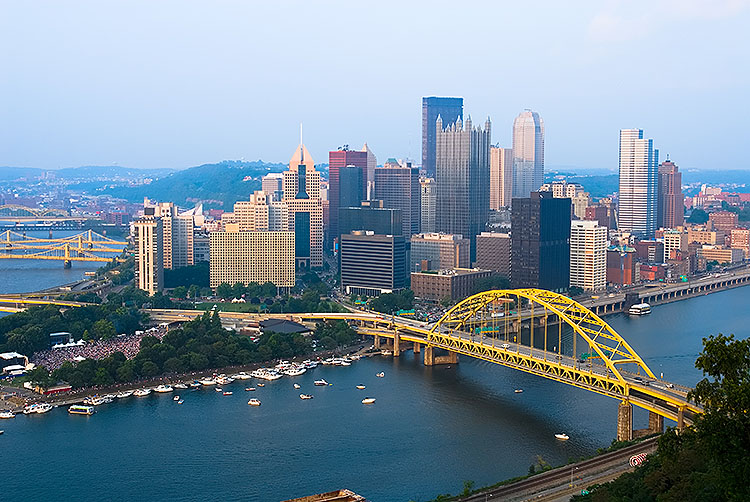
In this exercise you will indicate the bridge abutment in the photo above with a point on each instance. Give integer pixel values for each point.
(625, 421)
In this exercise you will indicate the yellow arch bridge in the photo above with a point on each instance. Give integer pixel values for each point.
(85, 246)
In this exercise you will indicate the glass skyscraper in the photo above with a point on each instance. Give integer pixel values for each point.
(528, 153)
(638, 201)
(450, 109)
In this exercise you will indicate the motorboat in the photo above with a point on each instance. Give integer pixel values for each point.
(30, 409)
(295, 371)
(241, 376)
(249, 389)
(124, 394)
(180, 401)
(368, 400)
(305, 396)
(380, 375)
(1, 432)
(562, 437)
(180, 386)
(360, 386)
(321, 383)
(640, 309)
(219, 389)
(386, 353)
(207, 381)
(518, 391)
(176, 398)
(78, 409)
(254, 402)
(310, 364)
(96, 400)
(296, 386)
(327, 362)
(161, 389)
(261, 384)
(7, 414)
(43, 408)
(224, 380)
(142, 392)
(228, 393)
(109, 397)
(195, 384)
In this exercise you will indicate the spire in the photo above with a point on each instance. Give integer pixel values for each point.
(302, 148)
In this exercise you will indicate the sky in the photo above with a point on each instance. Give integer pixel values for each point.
(152, 84)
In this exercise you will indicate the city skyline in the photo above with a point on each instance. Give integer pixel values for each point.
(147, 94)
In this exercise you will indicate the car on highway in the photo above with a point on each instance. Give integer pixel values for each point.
(505, 346)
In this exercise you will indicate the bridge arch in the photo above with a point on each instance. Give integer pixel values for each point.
(15, 210)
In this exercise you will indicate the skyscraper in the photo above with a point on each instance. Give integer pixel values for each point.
(149, 252)
(588, 255)
(273, 185)
(302, 198)
(637, 211)
(372, 163)
(450, 109)
(671, 205)
(501, 177)
(372, 264)
(339, 160)
(528, 153)
(462, 176)
(540, 242)
(398, 187)
(428, 202)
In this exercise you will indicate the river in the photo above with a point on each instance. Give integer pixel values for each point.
(429, 430)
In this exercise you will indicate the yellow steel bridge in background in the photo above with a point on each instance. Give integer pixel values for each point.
(85, 246)
(22, 214)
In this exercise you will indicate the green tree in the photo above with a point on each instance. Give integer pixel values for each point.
(224, 291)
(39, 376)
(698, 216)
(149, 368)
(102, 377)
(104, 329)
(180, 292)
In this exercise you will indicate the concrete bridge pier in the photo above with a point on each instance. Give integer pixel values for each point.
(396, 344)
(376, 341)
(655, 423)
(417, 347)
(430, 359)
(625, 421)
(680, 418)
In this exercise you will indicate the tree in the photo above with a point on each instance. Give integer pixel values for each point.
(698, 216)
(102, 377)
(179, 292)
(39, 376)
(149, 368)
(104, 329)
(224, 291)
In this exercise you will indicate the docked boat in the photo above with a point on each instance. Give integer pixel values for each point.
(310, 364)
(228, 393)
(321, 383)
(640, 309)
(124, 394)
(162, 389)
(142, 392)
(295, 371)
(386, 352)
(241, 376)
(254, 402)
(78, 409)
(7, 414)
(327, 362)
(195, 384)
(30, 409)
(224, 380)
(562, 437)
(380, 375)
(43, 408)
(360, 386)
(249, 389)
(368, 400)
(305, 396)
(518, 391)
(207, 381)
(180, 386)
(296, 386)
(96, 400)
(266, 374)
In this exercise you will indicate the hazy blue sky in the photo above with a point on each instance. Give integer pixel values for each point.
(179, 83)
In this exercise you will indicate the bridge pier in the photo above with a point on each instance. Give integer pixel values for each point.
(417, 347)
(67, 264)
(429, 356)
(680, 418)
(430, 359)
(655, 423)
(625, 421)
(376, 341)
(396, 344)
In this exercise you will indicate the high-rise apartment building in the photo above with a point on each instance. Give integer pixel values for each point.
(302, 198)
(493, 252)
(352, 164)
(149, 252)
(540, 242)
(638, 204)
(462, 176)
(247, 257)
(671, 201)
(740, 239)
(428, 203)
(372, 264)
(176, 231)
(442, 251)
(501, 177)
(588, 255)
(528, 153)
(397, 185)
(450, 110)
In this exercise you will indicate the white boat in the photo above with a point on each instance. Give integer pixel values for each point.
(295, 371)
(30, 409)
(386, 352)
(207, 381)
(310, 364)
(124, 394)
(7, 414)
(224, 380)
(249, 389)
(321, 382)
(1, 432)
(77, 409)
(562, 437)
(254, 402)
(305, 396)
(161, 389)
(195, 385)
(242, 376)
(219, 389)
(368, 400)
(176, 398)
(380, 375)
(180, 386)
(327, 362)
(296, 386)
(142, 392)
(518, 391)
(360, 386)
(43, 408)
(180, 401)
(228, 393)
(96, 400)
(640, 309)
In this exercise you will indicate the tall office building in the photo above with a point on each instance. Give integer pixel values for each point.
(354, 162)
(398, 187)
(528, 153)
(302, 198)
(451, 110)
(372, 163)
(588, 255)
(501, 177)
(261, 213)
(246, 257)
(540, 242)
(149, 252)
(428, 203)
(637, 211)
(372, 264)
(671, 205)
(493, 252)
(675, 243)
(379, 220)
(176, 231)
(273, 185)
(462, 174)
(442, 251)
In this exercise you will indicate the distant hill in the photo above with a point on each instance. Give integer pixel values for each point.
(109, 172)
(8, 173)
(225, 183)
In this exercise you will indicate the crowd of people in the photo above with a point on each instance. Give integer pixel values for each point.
(94, 349)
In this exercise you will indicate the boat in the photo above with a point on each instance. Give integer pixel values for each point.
(254, 402)
(296, 386)
(180, 386)
(176, 398)
(195, 384)
(360, 386)
(640, 309)
(305, 396)
(295, 371)
(1, 432)
(518, 391)
(96, 400)
(261, 384)
(224, 380)
(78, 409)
(7, 414)
(241, 376)
(310, 364)
(29, 409)
(207, 381)
(249, 389)
(163, 389)
(562, 437)
(228, 393)
(368, 400)
(386, 352)
(380, 375)
(321, 383)
(180, 401)
(124, 394)
(43, 408)
(142, 392)
(219, 389)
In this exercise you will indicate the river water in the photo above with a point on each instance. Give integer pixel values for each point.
(429, 430)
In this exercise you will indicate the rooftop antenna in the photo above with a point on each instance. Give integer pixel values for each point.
(301, 146)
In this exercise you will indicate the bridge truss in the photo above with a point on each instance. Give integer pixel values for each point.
(85, 246)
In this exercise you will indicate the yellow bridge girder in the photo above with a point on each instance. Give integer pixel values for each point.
(85, 246)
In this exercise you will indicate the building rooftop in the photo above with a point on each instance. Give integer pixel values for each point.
(282, 326)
